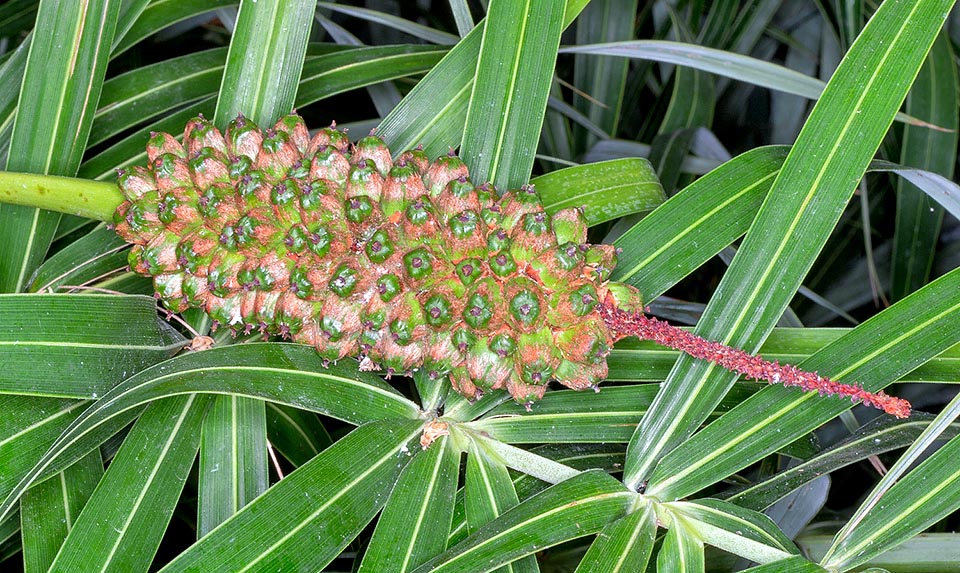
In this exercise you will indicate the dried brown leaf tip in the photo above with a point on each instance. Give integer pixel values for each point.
(398, 260)
(433, 430)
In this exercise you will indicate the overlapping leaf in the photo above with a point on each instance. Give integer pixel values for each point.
(313, 513)
(49, 348)
(119, 528)
(818, 176)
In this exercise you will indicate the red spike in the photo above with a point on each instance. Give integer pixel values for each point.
(623, 324)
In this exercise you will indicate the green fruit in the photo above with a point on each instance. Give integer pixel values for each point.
(396, 260)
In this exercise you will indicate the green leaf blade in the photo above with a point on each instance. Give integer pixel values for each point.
(264, 61)
(150, 91)
(567, 416)
(97, 254)
(745, 533)
(125, 518)
(487, 492)
(25, 437)
(250, 370)
(78, 361)
(49, 135)
(792, 564)
(331, 74)
(49, 510)
(926, 323)
(933, 98)
(309, 516)
(604, 78)
(681, 551)
(416, 519)
(233, 459)
(296, 434)
(696, 223)
(159, 15)
(605, 191)
(579, 506)
(917, 501)
(879, 436)
(514, 70)
(419, 120)
(802, 208)
(623, 546)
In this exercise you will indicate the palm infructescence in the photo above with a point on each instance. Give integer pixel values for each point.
(357, 249)
(403, 262)
(347, 249)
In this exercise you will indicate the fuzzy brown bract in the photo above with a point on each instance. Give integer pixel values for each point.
(400, 261)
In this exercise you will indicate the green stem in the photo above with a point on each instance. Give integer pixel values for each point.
(81, 197)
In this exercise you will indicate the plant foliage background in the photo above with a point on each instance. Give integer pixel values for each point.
(807, 219)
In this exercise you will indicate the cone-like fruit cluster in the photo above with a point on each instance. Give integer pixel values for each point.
(400, 261)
